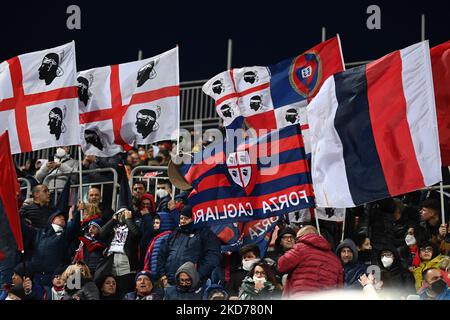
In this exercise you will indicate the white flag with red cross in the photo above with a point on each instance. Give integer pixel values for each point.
(38, 99)
(128, 104)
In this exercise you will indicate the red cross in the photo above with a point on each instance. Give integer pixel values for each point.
(117, 111)
(20, 101)
(238, 166)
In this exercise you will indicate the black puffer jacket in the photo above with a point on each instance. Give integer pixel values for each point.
(37, 214)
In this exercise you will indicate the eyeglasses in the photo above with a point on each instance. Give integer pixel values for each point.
(427, 249)
(287, 237)
(387, 255)
(260, 273)
(185, 280)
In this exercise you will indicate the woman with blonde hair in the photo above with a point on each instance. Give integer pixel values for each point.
(79, 283)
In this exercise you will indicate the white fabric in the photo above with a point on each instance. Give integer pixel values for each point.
(327, 160)
(38, 114)
(338, 214)
(119, 239)
(165, 74)
(421, 110)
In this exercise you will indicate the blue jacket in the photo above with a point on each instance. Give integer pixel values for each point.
(353, 269)
(195, 292)
(200, 246)
(49, 249)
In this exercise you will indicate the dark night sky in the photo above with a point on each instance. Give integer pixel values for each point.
(262, 33)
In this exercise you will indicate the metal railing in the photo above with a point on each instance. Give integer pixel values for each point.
(154, 179)
(114, 182)
(27, 187)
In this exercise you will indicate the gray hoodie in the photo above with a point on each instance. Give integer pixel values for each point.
(348, 243)
(189, 268)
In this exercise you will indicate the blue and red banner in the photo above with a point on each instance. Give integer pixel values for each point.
(260, 178)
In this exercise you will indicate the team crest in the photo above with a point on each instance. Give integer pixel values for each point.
(240, 170)
(305, 74)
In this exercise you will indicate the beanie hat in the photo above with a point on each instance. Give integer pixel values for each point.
(187, 211)
(143, 273)
(96, 222)
(283, 232)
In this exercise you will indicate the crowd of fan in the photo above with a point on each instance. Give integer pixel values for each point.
(152, 251)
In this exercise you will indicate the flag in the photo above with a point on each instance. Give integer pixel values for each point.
(276, 96)
(440, 61)
(374, 131)
(259, 232)
(10, 230)
(38, 99)
(330, 214)
(230, 236)
(128, 104)
(259, 178)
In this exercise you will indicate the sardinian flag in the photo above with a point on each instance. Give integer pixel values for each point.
(38, 99)
(330, 214)
(374, 132)
(128, 104)
(276, 96)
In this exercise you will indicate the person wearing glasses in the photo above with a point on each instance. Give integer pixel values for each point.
(187, 284)
(430, 258)
(260, 284)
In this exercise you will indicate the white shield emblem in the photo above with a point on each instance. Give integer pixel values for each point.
(239, 167)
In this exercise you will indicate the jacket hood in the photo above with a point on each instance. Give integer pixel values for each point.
(348, 243)
(391, 248)
(316, 241)
(189, 268)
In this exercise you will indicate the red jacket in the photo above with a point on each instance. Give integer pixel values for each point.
(311, 266)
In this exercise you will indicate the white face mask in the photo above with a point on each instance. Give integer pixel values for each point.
(387, 261)
(141, 153)
(256, 279)
(247, 264)
(60, 152)
(161, 193)
(57, 228)
(410, 240)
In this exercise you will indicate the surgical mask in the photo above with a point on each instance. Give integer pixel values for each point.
(141, 153)
(60, 152)
(247, 264)
(161, 193)
(256, 279)
(439, 286)
(410, 240)
(57, 228)
(387, 261)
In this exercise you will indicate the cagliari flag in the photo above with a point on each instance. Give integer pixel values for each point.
(38, 99)
(276, 96)
(374, 132)
(128, 104)
(10, 230)
(260, 178)
(440, 61)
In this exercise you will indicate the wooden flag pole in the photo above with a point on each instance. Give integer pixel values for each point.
(317, 222)
(441, 188)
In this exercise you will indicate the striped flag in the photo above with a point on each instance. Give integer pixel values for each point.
(374, 132)
(275, 96)
(260, 178)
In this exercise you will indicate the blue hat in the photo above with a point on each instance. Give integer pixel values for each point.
(96, 222)
(143, 273)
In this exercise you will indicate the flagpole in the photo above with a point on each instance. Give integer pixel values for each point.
(343, 226)
(441, 187)
(80, 196)
(317, 222)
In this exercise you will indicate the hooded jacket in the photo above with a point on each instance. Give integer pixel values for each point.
(353, 269)
(195, 291)
(201, 246)
(311, 265)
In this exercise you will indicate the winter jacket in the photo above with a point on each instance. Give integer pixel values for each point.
(311, 266)
(37, 214)
(155, 294)
(169, 220)
(199, 246)
(131, 247)
(395, 278)
(67, 165)
(162, 204)
(433, 263)
(51, 250)
(247, 291)
(151, 257)
(90, 251)
(353, 269)
(88, 291)
(195, 291)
